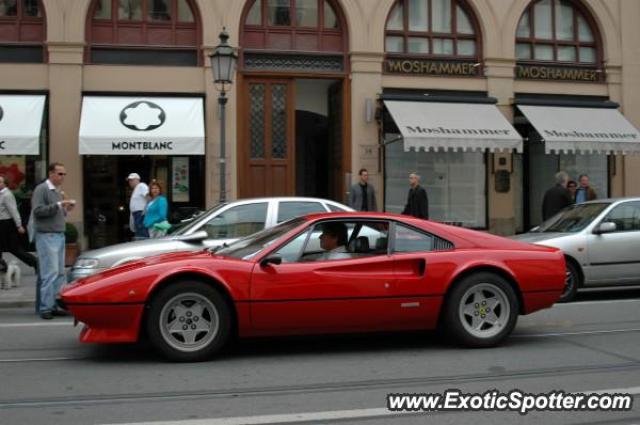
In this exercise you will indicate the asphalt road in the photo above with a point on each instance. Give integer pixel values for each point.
(47, 376)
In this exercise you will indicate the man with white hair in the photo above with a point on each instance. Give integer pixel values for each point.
(556, 198)
(137, 204)
(417, 200)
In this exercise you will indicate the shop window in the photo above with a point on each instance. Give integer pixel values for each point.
(557, 31)
(455, 183)
(303, 25)
(22, 31)
(437, 28)
(143, 32)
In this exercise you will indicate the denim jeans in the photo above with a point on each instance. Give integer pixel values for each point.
(50, 247)
(138, 222)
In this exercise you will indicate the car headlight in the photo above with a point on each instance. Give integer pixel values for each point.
(86, 263)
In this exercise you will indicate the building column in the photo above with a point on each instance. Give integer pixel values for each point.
(501, 205)
(65, 101)
(366, 84)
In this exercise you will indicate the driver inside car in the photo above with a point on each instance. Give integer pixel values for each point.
(334, 241)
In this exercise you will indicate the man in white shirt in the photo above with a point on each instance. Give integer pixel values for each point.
(334, 240)
(137, 204)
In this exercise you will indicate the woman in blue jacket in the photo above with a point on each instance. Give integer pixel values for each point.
(155, 216)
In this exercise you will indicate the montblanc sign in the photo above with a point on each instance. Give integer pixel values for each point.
(118, 125)
(431, 67)
(21, 124)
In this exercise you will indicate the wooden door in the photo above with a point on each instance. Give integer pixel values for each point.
(267, 145)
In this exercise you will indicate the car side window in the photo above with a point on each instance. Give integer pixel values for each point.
(238, 221)
(359, 239)
(626, 217)
(410, 240)
(291, 251)
(291, 209)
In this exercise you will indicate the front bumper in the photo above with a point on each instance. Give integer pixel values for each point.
(108, 323)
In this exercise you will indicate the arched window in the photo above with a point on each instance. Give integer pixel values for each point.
(300, 25)
(558, 31)
(146, 32)
(434, 28)
(22, 31)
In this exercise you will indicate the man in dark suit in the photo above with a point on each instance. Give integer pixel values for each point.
(417, 200)
(556, 198)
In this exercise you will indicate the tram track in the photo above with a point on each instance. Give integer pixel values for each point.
(318, 387)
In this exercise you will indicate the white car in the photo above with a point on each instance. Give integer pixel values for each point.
(600, 240)
(222, 224)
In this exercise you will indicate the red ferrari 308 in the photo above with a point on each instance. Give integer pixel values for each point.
(319, 274)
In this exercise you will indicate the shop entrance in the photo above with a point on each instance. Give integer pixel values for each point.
(292, 138)
(107, 193)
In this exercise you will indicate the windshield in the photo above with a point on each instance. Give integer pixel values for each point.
(187, 225)
(573, 219)
(246, 248)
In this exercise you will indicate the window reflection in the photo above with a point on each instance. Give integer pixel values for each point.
(130, 10)
(279, 13)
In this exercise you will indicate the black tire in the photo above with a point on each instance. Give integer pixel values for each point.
(571, 283)
(465, 306)
(178, 317)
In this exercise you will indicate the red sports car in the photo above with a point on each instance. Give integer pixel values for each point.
(323, 273)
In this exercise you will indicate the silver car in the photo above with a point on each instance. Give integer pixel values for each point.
(601, 241)
(224, 223)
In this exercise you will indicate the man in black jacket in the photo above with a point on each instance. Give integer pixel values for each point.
(556, 198)
(417, 200)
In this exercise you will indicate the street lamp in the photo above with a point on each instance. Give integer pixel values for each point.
(223, 63)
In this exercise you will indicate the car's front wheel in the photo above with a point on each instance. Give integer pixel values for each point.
(481, 311)
(571, 283)
(189, 321)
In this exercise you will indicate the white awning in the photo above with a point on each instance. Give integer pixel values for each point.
(453, 126)
(586, 130)
(112, 125)
(20, 124)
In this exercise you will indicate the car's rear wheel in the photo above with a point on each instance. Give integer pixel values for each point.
(571, 283)
(189, 321)
(481, 311)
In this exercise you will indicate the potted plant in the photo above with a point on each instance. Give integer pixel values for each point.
(72, 250)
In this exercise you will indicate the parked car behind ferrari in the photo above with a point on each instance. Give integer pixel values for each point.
(222, 224)
(601, 242)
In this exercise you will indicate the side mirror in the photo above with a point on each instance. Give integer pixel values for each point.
(606, 227)
(274, 259)
(198, 236)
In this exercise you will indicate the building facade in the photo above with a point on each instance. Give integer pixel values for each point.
(322, 89)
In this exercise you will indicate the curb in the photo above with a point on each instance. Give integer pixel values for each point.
(17, 304)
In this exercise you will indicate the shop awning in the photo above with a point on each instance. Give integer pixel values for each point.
(453, 126)
(113, 125)
(20, 124)
(584, 130)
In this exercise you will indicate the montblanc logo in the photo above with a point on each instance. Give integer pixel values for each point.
(142, 116)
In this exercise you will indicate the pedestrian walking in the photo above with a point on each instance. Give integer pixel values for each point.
(573, 187)
(417, 200)
(557, 197)
(11, 226)
(362, 196)
(137, 205)
(585, 192)
(49, 209)
(155, 216)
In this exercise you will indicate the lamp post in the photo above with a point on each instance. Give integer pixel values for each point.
(223, 63)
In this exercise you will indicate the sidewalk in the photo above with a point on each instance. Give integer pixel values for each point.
(25, 294)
